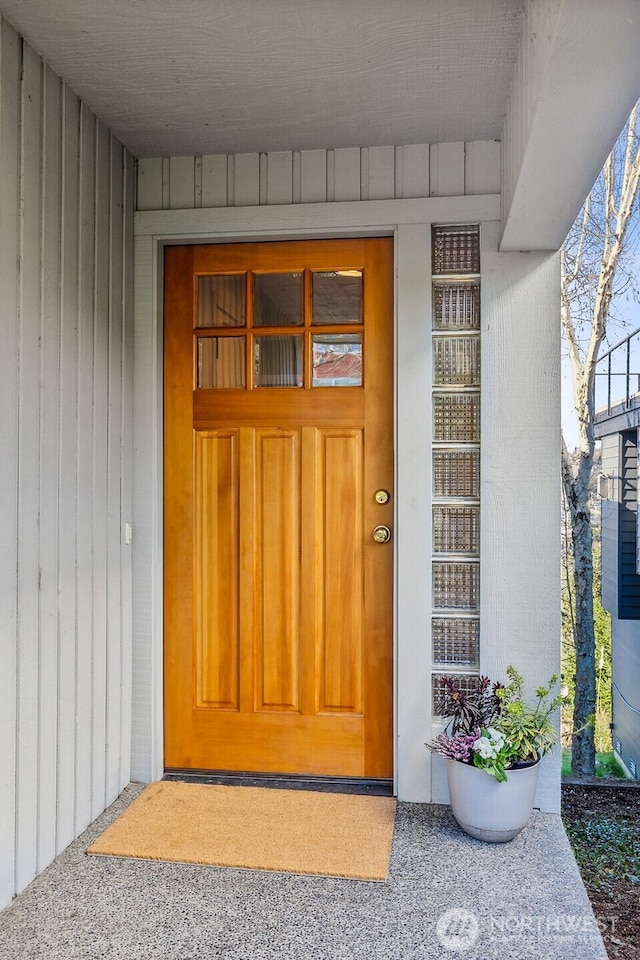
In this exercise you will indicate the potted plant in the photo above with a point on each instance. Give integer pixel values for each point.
(493, 741)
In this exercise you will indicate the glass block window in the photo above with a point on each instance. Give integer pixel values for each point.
(456, 416)
(456, 250)
(456, 361)
(455, 640)
(466, 682)
(456, 586)
(456, 306)
(456, 373)
(456, 473)
(456, 529)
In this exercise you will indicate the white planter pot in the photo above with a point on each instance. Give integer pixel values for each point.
(486, 809)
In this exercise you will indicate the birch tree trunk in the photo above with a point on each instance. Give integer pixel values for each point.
(592, 273)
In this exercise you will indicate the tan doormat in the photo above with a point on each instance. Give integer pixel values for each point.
(291, 831)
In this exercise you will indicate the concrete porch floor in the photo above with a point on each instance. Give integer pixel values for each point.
(446, 895)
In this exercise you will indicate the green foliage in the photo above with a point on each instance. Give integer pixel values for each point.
(493, 726)
(529, 729)
(606, 849)
(602, 627)
(606, 765)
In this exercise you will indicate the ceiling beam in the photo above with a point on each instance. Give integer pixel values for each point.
(575, 82)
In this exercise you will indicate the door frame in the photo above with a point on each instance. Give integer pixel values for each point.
(409, 223)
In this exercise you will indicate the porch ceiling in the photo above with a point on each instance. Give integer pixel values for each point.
(227, 76)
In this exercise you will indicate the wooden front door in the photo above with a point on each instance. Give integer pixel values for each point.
(278, 435)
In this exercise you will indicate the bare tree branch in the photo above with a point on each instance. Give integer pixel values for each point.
(592, 261)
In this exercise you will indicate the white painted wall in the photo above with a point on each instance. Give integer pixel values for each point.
(66, 202)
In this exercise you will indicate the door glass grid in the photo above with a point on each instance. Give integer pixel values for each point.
(255, 330)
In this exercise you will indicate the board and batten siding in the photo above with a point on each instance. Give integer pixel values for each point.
(629, 577)
(66, 205)
(619, 513)
(319, 176)
(610, 467)
(625, 696)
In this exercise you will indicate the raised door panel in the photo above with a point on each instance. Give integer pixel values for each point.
(276, 569)
(217, 626)
(339, 511)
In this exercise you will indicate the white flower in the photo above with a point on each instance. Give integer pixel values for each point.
(489, 744)
(496, 736)
(485, 748)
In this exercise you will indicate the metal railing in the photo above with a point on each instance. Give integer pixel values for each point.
(618, 376)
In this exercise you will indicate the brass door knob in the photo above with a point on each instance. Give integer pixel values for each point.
(381, 534)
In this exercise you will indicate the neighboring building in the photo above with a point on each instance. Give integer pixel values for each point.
(195, 566)
(618, 427)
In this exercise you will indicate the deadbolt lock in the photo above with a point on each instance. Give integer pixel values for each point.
(381, 534)
(382, 496)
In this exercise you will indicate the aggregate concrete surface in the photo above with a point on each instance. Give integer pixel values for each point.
(446, 896)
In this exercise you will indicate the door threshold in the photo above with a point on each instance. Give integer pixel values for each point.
(284, 781)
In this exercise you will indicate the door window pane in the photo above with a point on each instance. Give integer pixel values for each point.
(337, 360)
(278, 300)
(220, 362)
(221, 301)
(278, 361)
(337, 297)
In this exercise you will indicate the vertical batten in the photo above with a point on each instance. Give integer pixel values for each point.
(262, 179)
(49, 459)
(364, 173)
(67, 514)
(197, 182)
(296, 172)
(29, 468)
(126, 462)
(10, 66)
(114, 473)
(84, 498)
(101, 331)
(331, 176)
